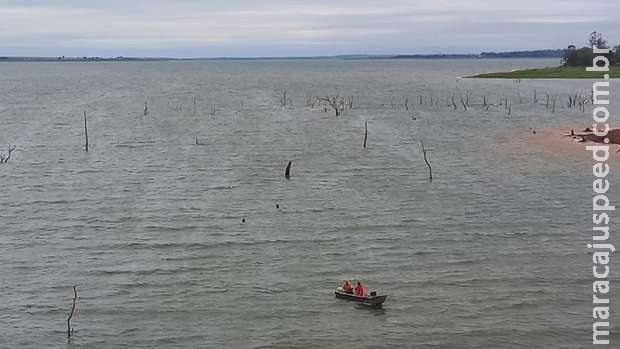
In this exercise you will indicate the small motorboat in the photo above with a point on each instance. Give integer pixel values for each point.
(372, 299)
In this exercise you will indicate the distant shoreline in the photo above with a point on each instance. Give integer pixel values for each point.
(542, 54)
(329, 58)
(81, 59)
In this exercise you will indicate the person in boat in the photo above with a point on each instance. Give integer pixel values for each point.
(359, 290)
(347, 287)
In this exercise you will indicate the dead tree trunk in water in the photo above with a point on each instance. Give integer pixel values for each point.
(287, 172)
(365, 133)
(85, 132)
(336, 103)
(285, 100)
(5, 159)
(75, 295)
(464, 104)
(430, 170)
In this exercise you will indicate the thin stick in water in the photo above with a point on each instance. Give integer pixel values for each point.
(75, 295)
(365, 133)
(430, 170)
(85, 132)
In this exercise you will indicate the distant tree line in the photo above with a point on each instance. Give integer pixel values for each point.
(549, 53)
(583, 57)
(557, 53)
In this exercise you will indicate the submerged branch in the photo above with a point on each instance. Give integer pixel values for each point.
(5, 158)
(287, 172)
(430, 169)
(75, 295)
(85, 132)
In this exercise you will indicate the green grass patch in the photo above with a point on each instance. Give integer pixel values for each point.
(552, 73)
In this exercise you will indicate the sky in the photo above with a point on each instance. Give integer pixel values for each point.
(261, 28)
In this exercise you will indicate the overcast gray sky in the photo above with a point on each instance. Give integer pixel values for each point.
(243, 28)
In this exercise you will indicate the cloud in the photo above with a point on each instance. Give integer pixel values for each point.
(296, 27)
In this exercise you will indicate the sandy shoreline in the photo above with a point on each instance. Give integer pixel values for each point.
(572, 140)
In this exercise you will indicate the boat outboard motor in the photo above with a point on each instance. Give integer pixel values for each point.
(373, 293)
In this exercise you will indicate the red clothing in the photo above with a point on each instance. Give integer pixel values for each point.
(347, 287)
(359, 290)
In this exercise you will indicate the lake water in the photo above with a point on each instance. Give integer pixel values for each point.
(148, 224)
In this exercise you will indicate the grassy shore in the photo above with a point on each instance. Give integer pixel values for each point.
(551, 73)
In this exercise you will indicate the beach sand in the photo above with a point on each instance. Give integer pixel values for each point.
(558, 140)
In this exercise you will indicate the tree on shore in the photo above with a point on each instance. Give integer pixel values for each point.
(596, 39)
(583, 57)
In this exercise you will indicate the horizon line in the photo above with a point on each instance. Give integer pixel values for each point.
(333, 56)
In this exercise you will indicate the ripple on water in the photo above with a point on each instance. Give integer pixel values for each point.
(148, 225)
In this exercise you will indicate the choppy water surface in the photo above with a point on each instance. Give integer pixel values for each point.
(148, 224)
